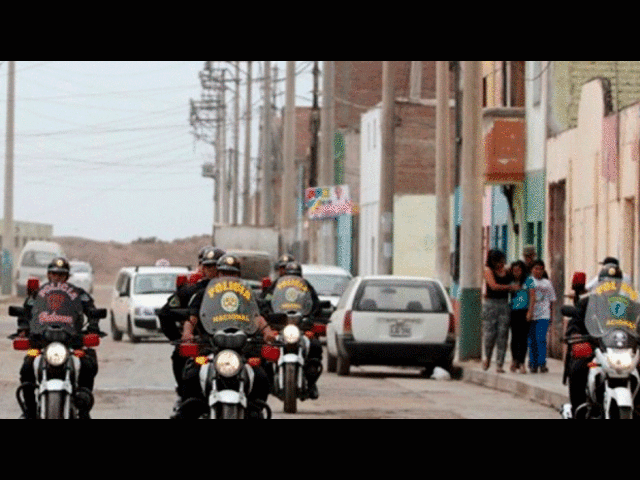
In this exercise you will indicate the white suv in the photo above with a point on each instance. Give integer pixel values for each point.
(139, 293)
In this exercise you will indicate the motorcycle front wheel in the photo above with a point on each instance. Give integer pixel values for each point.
(290, 388)
(54, 405)
(229, 412)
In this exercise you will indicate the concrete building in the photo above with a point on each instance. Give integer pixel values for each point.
(414, 220)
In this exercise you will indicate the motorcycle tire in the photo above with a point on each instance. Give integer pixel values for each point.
(54, 405)
(625, 413)
(290, 388)
(230, 412)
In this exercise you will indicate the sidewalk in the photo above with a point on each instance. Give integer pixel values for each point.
(543, 388)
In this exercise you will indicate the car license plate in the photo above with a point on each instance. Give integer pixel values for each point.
(399, 329)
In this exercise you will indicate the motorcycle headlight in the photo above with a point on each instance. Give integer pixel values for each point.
(228, 363)
(56, 354)
(291, 334)
(620, 359)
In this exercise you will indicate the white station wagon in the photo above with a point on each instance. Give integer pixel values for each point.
(392, 320)
(138, 295)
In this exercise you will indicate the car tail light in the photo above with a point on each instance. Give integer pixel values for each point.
(452, 324)
(270, 353)
(21, 343)
(91, 340)
(581, 350)
(346, 325)
(189, 350)
(33, 284)
(181, 280)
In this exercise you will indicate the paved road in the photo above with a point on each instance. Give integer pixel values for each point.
(135, 382)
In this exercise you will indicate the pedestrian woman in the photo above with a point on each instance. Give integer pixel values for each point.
(541, 298)
(495, 309)
(519, 306)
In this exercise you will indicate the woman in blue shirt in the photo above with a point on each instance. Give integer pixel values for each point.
(519, 304)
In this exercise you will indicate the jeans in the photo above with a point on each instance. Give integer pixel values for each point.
(538, 343)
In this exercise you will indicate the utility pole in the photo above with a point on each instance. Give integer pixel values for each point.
(471, 234)
(236, 148)
(267, 186)
(223, 150)
(289, 191)
(8, 233)
(443, 178)
(326, 172)
(415, 91)
(246, 212)
(315, 129)
(387, 171)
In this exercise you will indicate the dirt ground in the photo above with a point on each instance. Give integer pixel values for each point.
(108, 257)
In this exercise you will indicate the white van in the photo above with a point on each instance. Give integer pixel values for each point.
(33, 261)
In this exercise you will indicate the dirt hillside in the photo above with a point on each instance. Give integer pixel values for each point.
(108, 257)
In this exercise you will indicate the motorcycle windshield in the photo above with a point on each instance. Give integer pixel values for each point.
(57, 305)
(292, 293)
(612, 306)
(228, 302)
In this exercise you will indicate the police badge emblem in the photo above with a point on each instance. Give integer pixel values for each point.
(618, 306)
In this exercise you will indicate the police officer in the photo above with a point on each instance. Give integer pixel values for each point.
(227, 266)
(267, 293)
(313, 363)
(171, 321)
(58, 273)
(578, 368)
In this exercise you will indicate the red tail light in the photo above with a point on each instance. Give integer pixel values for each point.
(347, 322)
(189, 350)
(270, 353)
(581, 350)
(21, 343)
(319, 329)
(33, 284)
(452, 324)
(181, 280)
(91, 340)
(195, 278)
(579, 279)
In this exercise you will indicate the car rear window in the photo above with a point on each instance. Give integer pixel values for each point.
(401, 296)
(155, 283)
(37, 259)
(328, 284)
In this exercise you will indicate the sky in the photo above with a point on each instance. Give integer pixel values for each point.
(104, 150)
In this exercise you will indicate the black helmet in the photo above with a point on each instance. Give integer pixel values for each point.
(58, 265)
(229, 263)
(293, 268)
(284, 259)
(610, 270)
(202, 252)
(211, 255)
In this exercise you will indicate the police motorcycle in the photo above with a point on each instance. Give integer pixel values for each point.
(613, 339)
(56, 341)
(227, 351)
(292, 297)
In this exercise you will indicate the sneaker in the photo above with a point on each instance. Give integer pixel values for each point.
(313, 392)
(533, 369)
(565, 411)
(544, 369)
